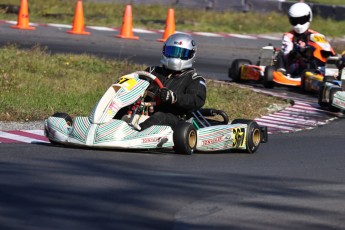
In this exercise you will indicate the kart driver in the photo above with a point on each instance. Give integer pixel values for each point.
(184, 90)
(296, 52)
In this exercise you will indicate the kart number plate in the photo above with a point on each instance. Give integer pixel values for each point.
(127, 83)
(318, 38)
(239, 137)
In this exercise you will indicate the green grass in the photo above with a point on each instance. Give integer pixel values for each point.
(153, 17)
(35, 84)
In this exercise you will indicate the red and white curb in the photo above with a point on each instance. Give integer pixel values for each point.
(23, 136)
(303, 114)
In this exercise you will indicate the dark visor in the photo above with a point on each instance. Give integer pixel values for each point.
(300, 20)
(177, 52)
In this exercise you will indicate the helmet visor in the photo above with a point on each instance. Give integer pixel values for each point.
(299, 20)
(177, 52)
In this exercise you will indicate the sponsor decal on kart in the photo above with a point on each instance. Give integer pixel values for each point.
(338, 100)
(151, 139)
(112, 107)
(212, 141)
(239, 138)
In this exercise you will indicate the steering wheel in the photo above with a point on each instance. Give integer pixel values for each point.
(153, 79)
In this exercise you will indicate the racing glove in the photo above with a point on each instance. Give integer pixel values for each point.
(167, 96)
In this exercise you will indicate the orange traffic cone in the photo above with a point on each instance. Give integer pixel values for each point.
(78, 22)
(23, 17)
(126, 29)
(169, 27)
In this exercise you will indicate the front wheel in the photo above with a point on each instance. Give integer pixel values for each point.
(268, 77)
(185, 138)
(253, 134)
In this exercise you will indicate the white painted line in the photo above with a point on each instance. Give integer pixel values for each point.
(101, 28)
(269, 37)
(11, 22)
(143, 31)
(59, 25)
(207, 34)
(242, 36)
(37, 132)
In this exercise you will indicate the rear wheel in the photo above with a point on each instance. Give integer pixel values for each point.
(185, 138)
(235, 69)
(253, 135)
(268, 77)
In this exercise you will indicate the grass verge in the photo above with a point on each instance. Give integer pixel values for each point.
(34, 84)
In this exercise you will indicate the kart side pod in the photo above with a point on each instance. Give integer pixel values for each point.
(241, 135)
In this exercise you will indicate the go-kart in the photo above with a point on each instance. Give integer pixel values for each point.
(243, 69)
(332, 93)
(266, 70)
(311, 80)
(115, 120)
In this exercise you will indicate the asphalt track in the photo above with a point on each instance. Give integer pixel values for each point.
(295, 181)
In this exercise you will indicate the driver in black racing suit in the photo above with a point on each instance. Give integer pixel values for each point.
(184, 90)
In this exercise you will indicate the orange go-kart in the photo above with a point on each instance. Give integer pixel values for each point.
(266, 70)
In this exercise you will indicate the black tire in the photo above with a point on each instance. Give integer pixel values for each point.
(331, 96)
(253, 136)
(320, 96)
(235, 69)
(68, 120)
(268, 77)
(185, 138)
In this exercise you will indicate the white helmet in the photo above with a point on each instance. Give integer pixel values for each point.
(179, 52)
(300, 16)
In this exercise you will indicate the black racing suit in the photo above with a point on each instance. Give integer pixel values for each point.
(190, 90)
